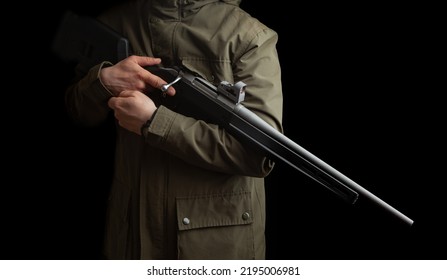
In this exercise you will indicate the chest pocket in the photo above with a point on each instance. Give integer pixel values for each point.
(215, 226)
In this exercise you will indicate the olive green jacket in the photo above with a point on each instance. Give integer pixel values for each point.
(189, 190)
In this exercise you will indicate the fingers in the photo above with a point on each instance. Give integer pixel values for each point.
(112, 103)
(132, 109)
(149, 78)
(118, 101)
(157, 82)
(130, 99)
(127, 93)
(146, 60)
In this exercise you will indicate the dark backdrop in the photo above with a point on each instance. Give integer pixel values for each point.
(359, 93)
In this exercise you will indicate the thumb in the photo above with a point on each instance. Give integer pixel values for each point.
(112, 102)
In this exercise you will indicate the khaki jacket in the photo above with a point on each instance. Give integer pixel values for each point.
(189, 190)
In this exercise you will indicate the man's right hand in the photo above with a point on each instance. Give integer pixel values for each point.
(130, 74)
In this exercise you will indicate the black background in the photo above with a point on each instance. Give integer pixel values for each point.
(359, 83)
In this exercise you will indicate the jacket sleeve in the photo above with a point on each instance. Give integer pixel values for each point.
(210, 146)
(86, 99)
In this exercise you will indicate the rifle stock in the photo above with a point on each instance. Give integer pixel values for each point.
(218, 104)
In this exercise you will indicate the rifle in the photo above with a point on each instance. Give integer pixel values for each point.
(88, 42)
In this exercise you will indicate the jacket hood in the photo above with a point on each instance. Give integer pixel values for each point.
(232, 2)
(188, 5)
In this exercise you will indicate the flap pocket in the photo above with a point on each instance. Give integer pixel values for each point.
(214, 210)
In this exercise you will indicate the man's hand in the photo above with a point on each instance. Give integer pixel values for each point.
(132, 109)
(130, 74)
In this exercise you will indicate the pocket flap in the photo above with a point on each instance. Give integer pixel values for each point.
(214, 210)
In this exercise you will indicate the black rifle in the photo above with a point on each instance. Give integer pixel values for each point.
(88, 42)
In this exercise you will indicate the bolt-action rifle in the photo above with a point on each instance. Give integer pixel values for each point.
(88, 42)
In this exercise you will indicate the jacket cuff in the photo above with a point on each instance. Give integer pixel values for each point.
(160, 125)
(98, 76)
(93, 85)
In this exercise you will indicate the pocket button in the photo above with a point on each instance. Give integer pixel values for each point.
(186, 221)
(245, 216)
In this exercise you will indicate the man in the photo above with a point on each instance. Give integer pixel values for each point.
(183, 188)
